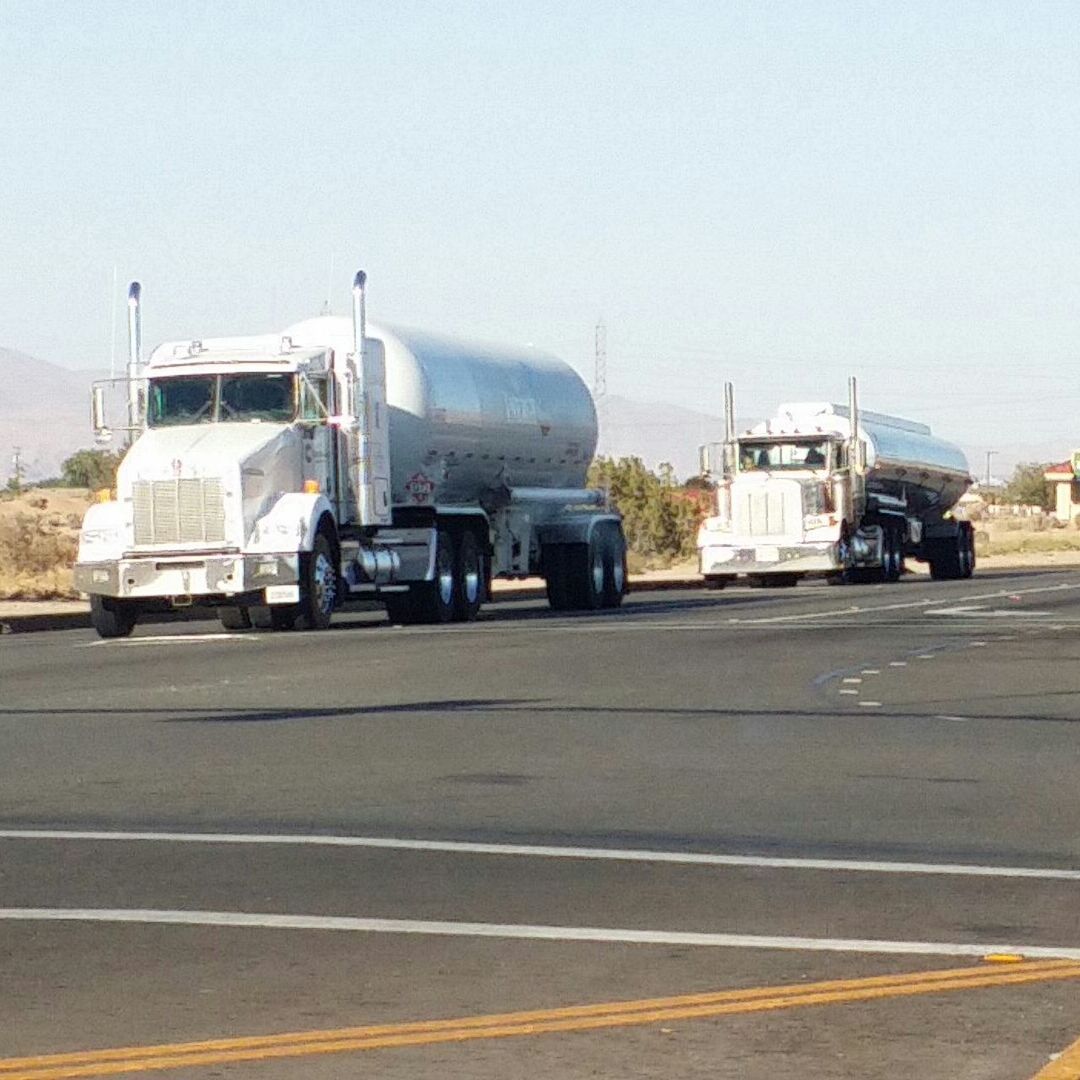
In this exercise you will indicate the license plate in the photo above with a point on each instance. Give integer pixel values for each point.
(283, 594)
(768, 554)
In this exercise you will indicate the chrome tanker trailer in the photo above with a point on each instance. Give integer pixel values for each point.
(829, 490)
(277, 476)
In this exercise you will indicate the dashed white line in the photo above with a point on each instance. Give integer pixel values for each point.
(615, 935)
(871, 704)
(466, 847)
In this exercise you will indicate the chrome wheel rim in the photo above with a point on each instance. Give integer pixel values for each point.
(446, 579)
(618, 573)
(324, 580)
(471, 583)
(598, 572)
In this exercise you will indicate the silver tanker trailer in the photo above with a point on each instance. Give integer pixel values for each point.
(276, 477)
(828, 490)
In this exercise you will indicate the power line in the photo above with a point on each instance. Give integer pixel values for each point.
(600, 361)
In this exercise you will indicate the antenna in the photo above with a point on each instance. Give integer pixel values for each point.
(329, 288)
(600, 367)
(112, 326)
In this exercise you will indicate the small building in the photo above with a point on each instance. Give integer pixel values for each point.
(1066, 488)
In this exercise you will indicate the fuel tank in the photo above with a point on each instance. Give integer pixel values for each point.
(468, 418)
(903, 458)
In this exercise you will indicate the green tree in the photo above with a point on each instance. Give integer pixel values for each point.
(1028, 485)
(658, 518)
(94, 469)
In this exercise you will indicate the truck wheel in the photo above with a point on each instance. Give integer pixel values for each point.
(469, 577)
(234, 618)
(614, 545)
(944, 558)
(273, 616)
(586, 564)
(891, 556)
(966, 541)
(430, 602)
(717, 581)
(556, 565)
(113, 618)
(318, 586)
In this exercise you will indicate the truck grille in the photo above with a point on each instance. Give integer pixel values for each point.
(774, 509)
(179, 511)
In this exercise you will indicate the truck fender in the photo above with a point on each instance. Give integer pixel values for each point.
(291, 523)
(574, 528)
(101, 538)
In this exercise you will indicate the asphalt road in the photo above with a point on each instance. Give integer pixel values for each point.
(721, 799)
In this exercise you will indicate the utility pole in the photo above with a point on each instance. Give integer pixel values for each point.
(600, 366)
(17, 473)
(989, 455)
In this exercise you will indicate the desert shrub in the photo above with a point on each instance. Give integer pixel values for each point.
(659, 518)
(37, 551)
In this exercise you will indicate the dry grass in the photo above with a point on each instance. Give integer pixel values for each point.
(39, 533)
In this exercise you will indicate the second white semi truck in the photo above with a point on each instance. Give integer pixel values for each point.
(275, 477)
(828, 490)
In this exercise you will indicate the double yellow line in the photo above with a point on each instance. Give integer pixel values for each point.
(538, 1022)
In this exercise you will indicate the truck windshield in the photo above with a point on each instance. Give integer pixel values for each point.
(208, 399)
(800, 454)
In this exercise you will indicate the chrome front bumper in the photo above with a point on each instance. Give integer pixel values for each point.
(716, 559)
(153, 577)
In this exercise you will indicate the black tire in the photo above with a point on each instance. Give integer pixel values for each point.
(234, 618)
(556, 567)
(892, 555)
(947, 556)
(717, 582)
(774, 581)
(615, 576)
(113, 618)
(470, 579)
(588, 573)
(430, 602)
(273, 616)
(966, 543)
(318, 584)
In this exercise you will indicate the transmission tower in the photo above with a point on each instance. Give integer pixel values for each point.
(16, 464)
(600, 368)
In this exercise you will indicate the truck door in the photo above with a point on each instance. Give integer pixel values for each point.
(319, 437)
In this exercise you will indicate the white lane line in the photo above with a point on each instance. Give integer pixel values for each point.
(870, 671)
(168, 639)
(525, 931)
(871, 704)
(897, 663)
(855, 692)
(955, 719)
(853, 680)
(912, 604)
(465, 847)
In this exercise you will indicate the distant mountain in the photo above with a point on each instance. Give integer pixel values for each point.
(45, 411)
(656, 433)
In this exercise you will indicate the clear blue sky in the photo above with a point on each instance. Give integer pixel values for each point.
(776, 193)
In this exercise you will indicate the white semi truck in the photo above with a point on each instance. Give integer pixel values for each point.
(827, 490)
(278, 476)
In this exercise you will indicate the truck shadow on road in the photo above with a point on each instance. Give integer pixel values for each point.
(539, 707)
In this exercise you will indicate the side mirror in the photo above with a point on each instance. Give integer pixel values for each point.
(97, 414)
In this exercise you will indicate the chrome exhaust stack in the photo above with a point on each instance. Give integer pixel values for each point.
(359, 405)
(134, 366)
(729, 429)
